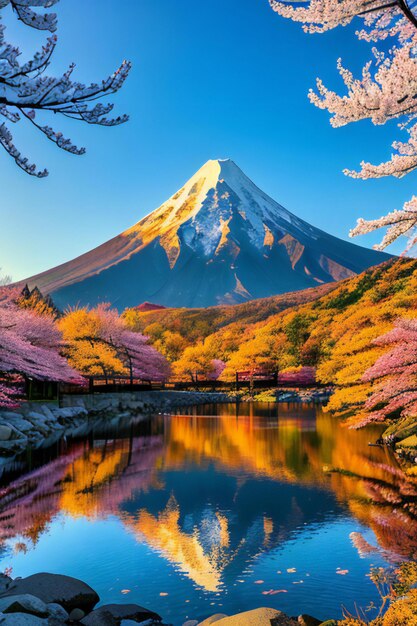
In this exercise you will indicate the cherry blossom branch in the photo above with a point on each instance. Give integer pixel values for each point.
(25, 89)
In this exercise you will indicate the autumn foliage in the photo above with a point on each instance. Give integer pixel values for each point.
(336, 333)
(34, 344)
(99, 343)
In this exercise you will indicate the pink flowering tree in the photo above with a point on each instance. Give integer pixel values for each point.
(385, 90)
(394, 375)
(99, 341)
(26, 89)
(140, 358)
(30, 347)
(218, 367)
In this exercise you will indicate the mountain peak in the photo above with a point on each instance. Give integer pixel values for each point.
(219, 239)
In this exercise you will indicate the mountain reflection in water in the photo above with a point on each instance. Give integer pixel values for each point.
(213, 501)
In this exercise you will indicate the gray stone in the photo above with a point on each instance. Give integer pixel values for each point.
(212, 619)
(76, 615)
(191, 622)
(23, 603)
(22, 425)
(57, 611)
(99, 618)
(22, 619)
(119, 612)
(258, 617)
(36, 417)
(9, 415)
(5, 432)
(70, 593)
(48, 413)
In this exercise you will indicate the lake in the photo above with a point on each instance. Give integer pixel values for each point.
(223, 509)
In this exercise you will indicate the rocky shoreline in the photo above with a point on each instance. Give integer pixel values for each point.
(38, 425)
(55, 600)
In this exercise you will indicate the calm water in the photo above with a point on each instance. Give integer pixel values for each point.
(214, 511)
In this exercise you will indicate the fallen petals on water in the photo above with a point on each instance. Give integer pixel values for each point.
(291, 570)
(125, 590)
(163, 593)
(342, 572)
(273, 592)
(259, 582)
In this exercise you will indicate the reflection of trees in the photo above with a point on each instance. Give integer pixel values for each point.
(262, 479)
(86, 481)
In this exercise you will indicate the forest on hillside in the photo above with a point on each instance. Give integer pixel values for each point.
(336, 332)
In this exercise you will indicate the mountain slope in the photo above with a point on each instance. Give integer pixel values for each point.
(219, 239)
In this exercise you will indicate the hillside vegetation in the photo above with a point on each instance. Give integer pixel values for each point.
(333, 330)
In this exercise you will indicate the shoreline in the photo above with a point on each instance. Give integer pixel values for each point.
(46, 599)
(37, 425)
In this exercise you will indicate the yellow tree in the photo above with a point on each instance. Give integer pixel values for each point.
(195, 361)
(87, 352)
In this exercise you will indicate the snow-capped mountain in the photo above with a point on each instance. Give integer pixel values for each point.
(219, 239)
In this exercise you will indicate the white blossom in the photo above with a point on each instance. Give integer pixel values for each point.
(25, 88)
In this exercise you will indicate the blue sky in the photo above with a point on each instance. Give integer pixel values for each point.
(210, 80)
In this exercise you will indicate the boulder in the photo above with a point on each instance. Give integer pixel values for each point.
(48, 413)
(57, 611)
(76, 615)
(99, 618)
(214, 618)
(22, 619)
(307, 620)
(258, 617)
(70, 593)
(23, 603)
(117, 613)
(36, 417)
(5, 432)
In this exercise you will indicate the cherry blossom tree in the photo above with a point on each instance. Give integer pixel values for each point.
(100, 343)
(26, 89)
(218, 366)
(386, 90)
(30, 346)
(394, 375)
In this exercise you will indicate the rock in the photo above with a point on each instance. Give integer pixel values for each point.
(36, 417)
(117, 613)
(258, 617)
(70, 593)
(22, 619)
(22, 425)
(307, 620)
(191, 622)
(23, 603)
(212, 619)
(48, 413)
(5, 432)
(57, 611)
(99, 618)
(76, 615)
(330, 622)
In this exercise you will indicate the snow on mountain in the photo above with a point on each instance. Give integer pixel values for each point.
(219, 239)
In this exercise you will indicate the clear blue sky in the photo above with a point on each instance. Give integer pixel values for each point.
(210, 80)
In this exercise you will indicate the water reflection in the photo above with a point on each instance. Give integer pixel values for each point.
(211, 493)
